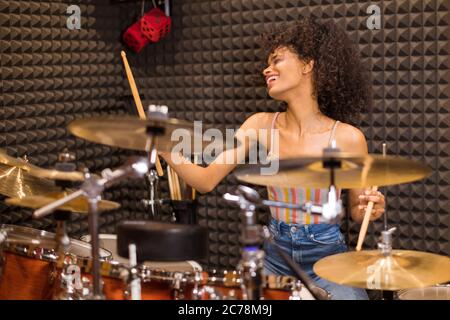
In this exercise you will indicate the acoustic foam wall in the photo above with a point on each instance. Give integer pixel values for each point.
(204, 70)
(52, 75)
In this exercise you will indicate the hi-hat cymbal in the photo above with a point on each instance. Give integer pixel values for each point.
(37, 171)
(79, 205)
(357, 171)
(18, 183)
(403, 269)
(131, 133)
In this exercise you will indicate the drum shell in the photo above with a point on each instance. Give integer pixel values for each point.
(25, 278)
(29, 263)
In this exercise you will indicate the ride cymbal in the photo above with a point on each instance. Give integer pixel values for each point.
(403, 269)
(356, 171)
(131, 133)
(79, 205)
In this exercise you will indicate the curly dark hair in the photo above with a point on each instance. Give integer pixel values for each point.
(340, 83)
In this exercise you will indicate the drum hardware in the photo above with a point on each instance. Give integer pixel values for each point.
(296, 291)
(252, 261)
(152, 181)
(199, 289)
(92, 189)
(134, 281)
(251, 265)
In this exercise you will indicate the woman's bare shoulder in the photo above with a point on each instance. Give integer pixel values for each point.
(350, 139)
(259, 120)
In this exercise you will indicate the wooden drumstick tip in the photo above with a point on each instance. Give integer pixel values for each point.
(123, 54)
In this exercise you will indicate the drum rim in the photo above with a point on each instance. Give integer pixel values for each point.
(38, 252)
(232, 280)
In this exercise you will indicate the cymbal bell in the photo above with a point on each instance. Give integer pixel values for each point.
(131, 133)
(78, 205)
(37, 171)
(356, 171)
(16, 182)
(403, 269)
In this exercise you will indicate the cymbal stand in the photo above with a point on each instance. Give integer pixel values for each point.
(152, 181)
(385, 246)
(331, 210)
(92, 188)
(69, 282)
(252, 262)
(251, 265)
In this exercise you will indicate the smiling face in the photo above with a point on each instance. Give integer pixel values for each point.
(286, 74)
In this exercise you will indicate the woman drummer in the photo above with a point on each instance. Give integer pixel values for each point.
(316, 72)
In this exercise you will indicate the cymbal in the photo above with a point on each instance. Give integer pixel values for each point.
(357, 171)
(403, 269)
(16, 182)
(79, 205)
(131, 133)
(37, 171)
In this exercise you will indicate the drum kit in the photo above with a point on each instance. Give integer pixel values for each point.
(136, 263)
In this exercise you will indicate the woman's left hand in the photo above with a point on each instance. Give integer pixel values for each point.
(378, 203)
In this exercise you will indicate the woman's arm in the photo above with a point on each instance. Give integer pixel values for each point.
(205, 179)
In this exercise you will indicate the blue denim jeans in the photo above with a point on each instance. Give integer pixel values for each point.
(307, 244)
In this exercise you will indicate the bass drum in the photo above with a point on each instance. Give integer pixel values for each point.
(28, 262)
(439, 292)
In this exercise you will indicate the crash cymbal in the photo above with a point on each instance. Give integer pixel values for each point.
(357, 171)
(18, 183)
(131, 133)
(403, 269)
(37, 171)
(79, 205)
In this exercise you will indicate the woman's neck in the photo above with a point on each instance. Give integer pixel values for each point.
(304, 116)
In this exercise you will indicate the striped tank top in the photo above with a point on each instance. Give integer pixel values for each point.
(297, 195)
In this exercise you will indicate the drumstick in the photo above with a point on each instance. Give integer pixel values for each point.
(193, 189)
(137, 100)
(177, 185)
(366, 220)
(169, 178)
(365, 223)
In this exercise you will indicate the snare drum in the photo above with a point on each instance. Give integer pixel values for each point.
(159, 280)
(227, 285)
(439, 292)
(29, 262)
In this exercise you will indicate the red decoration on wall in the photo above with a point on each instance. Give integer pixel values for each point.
(155, 25)
(134, 38)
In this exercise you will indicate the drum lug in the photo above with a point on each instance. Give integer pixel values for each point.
(213, 294)
(177, 288)
(296, 291)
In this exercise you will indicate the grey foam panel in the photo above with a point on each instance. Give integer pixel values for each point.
(205, 71)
